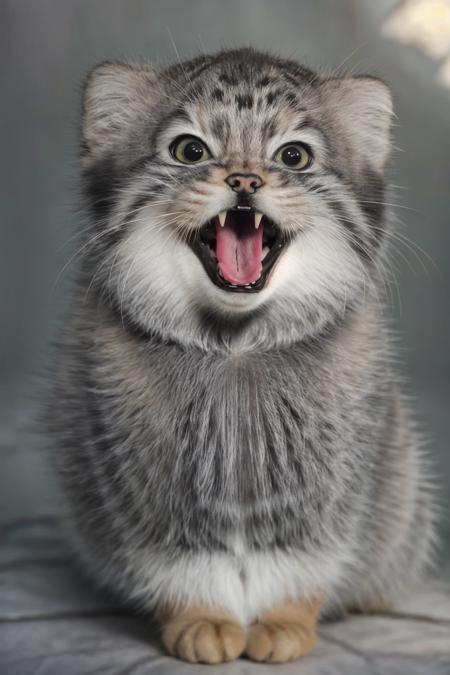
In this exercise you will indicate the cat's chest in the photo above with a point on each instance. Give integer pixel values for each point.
(241, 399)
(240, 444)
(248, 443)
(240, 426)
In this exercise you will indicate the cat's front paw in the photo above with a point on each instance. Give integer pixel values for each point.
(278, 643)
(205, 639)
(284, 634)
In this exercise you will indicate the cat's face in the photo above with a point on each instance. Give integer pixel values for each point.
(234, 186)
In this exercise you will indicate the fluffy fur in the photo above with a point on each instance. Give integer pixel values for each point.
(236, 450)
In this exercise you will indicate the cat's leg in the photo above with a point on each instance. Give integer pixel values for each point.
(284, 633)
(202, 635)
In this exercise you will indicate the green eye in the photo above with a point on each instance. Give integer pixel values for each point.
(294, 155)
(189, 150)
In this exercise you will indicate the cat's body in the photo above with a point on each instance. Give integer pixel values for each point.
(230, 452)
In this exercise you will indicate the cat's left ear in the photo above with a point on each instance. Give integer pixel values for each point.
(362, 106)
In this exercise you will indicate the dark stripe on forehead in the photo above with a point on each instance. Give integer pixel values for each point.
(264, 81)
(268, 129)
(217, 94)
(274, 96)
(244, 101)
(189, 69)
(236, 66)
(195, 74)
(229, 78)
(220, 126)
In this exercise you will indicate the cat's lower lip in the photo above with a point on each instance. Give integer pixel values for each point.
(272, 242)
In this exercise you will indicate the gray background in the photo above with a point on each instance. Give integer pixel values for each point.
(46, 48)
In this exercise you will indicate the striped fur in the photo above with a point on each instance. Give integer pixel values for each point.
(236, 450)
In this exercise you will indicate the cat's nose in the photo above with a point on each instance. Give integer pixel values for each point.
(244, 183)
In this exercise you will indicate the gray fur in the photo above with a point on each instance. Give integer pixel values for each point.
(185, 426)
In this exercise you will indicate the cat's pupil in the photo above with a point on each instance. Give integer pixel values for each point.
(291, 156)
(193, 151)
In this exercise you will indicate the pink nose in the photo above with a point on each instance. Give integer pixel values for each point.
(244, 182)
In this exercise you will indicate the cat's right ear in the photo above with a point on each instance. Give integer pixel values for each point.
(362, 107)
(116, 97)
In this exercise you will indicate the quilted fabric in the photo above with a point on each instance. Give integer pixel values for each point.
(52, 622)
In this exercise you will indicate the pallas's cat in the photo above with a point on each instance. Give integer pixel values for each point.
(233, 448)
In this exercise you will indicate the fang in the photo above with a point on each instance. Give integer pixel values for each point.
(258, 218)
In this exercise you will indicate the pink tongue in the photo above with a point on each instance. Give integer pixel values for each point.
(239, 249)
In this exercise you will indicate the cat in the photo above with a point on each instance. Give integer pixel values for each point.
(234, 450)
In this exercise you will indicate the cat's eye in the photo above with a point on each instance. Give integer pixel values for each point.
(189, 150)
(294, 156)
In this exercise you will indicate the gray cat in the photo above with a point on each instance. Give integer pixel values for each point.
(233, 448)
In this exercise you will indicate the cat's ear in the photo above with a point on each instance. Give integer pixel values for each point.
(362, 105)
(116, 96)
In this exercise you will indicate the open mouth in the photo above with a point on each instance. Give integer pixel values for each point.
(238, 249)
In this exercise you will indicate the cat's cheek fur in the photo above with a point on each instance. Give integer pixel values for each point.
(318, 268)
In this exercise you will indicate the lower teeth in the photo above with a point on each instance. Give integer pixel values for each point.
(265, 251)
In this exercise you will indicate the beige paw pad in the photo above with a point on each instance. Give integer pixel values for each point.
(204, 640)
(278, 643)
(285, 633)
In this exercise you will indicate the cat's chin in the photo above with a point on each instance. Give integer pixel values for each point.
(227, 304)
(238, 250)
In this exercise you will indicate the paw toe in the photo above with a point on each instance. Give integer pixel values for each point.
(205, 641)
(278, 643)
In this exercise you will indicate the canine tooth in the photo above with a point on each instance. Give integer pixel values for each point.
(258, 217)
(265, 251)
(222, 218)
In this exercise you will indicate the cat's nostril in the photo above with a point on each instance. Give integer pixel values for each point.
(244, 182)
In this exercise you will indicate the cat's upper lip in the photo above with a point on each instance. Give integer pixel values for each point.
(239, 248)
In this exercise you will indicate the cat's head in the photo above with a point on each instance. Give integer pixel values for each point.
(232, 190)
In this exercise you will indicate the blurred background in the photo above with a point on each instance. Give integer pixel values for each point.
(46, 48)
